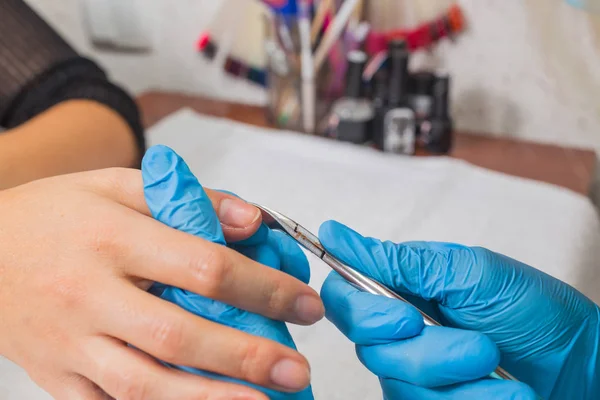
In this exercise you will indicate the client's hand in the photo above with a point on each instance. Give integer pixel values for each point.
(176, 198)
(547, 333)
(77, 254)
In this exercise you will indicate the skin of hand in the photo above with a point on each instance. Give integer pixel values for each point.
(176, 198)
(73, 136)
(493, 309)
(77, 255)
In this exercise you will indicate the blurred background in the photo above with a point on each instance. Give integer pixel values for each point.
(506, 91)
(527, 69)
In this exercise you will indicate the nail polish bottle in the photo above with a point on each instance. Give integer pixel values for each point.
(399, 128)
(353, 112)
(380, 87)
(421, 96)
(437, 132)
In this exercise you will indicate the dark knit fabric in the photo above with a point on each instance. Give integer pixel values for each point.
(38, 70)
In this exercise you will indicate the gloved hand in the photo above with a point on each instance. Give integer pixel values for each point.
(176, 198)
(494, 308)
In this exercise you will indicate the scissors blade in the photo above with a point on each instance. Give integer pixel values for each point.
(277, 220)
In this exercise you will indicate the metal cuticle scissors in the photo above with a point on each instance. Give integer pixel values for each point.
(310, 242)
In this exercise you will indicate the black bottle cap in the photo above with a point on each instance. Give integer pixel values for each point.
(207, 47)
(399, 57)
(422, 82)
(397, 45)
(356, 64)
(441, 97)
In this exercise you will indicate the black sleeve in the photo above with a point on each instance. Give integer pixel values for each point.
(38, 70)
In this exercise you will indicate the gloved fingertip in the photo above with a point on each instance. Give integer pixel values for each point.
(157, 149)
(525, 392)
(162, 179)
(175, 197)
(477, 389)
(266, 255)
(488, 353)
(159, 160)
(331, 229)
(293, 259)
(368, 319)
(335, 287)
(342, 241)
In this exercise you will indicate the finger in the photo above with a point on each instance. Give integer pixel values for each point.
(126, 373)
(482, 389)
(250, 323)
(286, 254)
(176, 198)
(252, 234)
(293, 259)
(175, 336)
(261, 253)
(260, 236)
(444, 272)
(238, 219)
(306, 394)
(125, 186)
(368, 319)
(147, 249)
(439, 356)
(76, 387)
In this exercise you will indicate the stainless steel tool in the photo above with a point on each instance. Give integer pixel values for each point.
(310, 242)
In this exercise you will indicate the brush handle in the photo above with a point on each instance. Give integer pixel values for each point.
(334, 32)
(308, 81)
(319, 19)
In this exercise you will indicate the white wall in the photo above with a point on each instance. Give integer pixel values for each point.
(173, 65)
(525, 68)
(529, 69)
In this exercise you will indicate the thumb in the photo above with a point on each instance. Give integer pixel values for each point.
(176, 198)
(444, 272)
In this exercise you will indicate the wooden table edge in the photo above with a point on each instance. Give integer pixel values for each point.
(567, 167)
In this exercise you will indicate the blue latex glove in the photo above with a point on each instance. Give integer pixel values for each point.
(176, 198)
(547, 332)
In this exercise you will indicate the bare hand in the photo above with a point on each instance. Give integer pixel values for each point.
(77, 253)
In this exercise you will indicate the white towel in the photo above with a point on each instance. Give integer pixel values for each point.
(387, 196)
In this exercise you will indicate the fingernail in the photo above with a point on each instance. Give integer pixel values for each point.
(309, 309)
(290, 374)
(237, 213)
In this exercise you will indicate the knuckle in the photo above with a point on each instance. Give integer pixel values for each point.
(250, 359)
(276, 296)
(131, 386)
(210, 271)
(68, 291)
(101, 236)
(168, 339)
